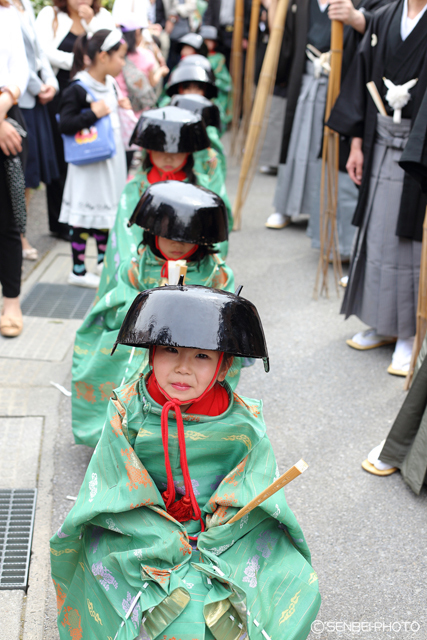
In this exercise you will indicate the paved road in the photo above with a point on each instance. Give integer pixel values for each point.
(323, 402)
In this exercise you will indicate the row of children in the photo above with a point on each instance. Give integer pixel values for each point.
(148, 550)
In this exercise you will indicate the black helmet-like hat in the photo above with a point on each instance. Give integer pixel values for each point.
(181, 211)
(192, 73)
(193, 40)
(194, 317)
(172, 130)
(201, 105)
(208, 32)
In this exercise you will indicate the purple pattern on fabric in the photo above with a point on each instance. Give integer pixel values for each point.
(266, 543)
(104, 576)
(135, 613)
(215, 484)
(78, 247)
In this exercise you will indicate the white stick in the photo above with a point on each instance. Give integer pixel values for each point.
(372, 88)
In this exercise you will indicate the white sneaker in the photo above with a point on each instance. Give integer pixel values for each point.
(89, 280)
(401, 359)
(369, 339)
(277, 221)
(99, 268)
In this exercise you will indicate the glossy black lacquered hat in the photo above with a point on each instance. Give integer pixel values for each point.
(171, 130)
(199, 61)
(194, 40)
(194, 317)
(183, 212)
(208, 32)
(192, 73)
(201, 105)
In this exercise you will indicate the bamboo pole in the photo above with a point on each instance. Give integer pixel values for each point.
(285, 479)
(248, 85)
(422, 307)
(329, 244)
(236, 68)
(263, 92)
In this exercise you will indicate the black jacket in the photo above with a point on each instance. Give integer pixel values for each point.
(75, 113)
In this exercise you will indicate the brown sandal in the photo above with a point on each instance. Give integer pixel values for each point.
(10, 327)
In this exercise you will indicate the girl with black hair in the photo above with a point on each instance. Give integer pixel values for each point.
(180, 222)
(92, 191)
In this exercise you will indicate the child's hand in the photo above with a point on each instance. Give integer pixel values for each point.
(100, 109)
(164, 70)
(124, 103)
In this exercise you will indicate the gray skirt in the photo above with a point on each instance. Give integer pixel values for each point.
(298, 180)
(270, 153)
(383, 281)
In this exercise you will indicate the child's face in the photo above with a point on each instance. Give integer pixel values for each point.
(115, 61)
(185, 373)
(211, 44)
(173, 249)
(191, 87)
(187, 51)
(168, 161)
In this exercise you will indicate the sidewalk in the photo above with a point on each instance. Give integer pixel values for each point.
(29, 423)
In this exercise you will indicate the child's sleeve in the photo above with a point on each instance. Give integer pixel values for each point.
(72, 118)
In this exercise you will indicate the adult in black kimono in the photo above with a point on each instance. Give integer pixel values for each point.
(298, 186)
(405, 447)
(383, 281)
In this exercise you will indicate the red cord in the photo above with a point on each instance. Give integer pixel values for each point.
(187, 507)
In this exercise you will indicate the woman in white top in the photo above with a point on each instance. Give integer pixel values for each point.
(13, 82)
(57, 29)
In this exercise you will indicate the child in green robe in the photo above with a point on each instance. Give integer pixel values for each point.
(148, 551)
(223, 80)
(180, 221)
(170, 138)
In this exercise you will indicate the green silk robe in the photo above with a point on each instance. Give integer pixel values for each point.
(95, 373)
(223, 81)
(122, 565)
(123, 241)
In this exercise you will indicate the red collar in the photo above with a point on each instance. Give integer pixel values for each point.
(157, 175)
(214, 403)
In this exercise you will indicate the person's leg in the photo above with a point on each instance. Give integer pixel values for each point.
(101, 239)
(10, 264)
(79, 276)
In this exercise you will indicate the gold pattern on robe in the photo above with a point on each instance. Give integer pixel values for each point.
(291, 609)
(93, 613)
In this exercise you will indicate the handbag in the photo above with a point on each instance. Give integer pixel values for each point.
(87, 146)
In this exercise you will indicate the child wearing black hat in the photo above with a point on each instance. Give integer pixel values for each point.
(181, 222)
(148, 549)
(169, 136)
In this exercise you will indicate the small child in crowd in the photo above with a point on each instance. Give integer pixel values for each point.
(92, 191)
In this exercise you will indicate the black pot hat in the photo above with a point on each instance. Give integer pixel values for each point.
(201, 105)
(192, 73)
(194, 317)
(181, 211)
(172, 130)
(199, 61)
(193, 40)
(208, 32)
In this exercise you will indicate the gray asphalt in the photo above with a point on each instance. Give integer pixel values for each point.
(323, 402)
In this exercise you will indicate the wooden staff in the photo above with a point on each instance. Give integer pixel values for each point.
(236, 68)
(422, 307)
(329, 243)
(263, 92)
(248, 85)
(285, 479)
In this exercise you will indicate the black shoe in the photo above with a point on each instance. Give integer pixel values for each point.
(268, 170)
